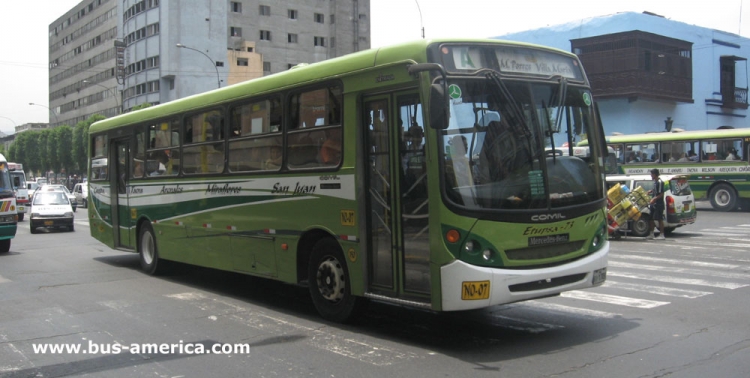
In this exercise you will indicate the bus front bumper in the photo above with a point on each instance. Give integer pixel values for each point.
(463, 284)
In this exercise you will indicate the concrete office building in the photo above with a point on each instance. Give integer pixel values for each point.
(648, 72)
(108, 56)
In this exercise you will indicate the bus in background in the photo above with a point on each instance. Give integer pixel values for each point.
(22, 192)
(716, 161)
(8, 215)
(415, 174)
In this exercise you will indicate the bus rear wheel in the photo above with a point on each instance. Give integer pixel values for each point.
(329, 281)
(150, 262)
(723, 197)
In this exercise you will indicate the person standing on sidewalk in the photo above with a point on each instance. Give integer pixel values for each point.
(656, 205)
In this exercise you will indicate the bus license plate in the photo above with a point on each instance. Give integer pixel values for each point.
(475, 290)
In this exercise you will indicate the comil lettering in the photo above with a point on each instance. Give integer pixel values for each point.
(547, 217)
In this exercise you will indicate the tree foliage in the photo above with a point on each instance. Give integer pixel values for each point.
(57, 149)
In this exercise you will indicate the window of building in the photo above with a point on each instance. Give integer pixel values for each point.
(319, 18)
(236, 7)
(264, 10)
(266, 66)
(292, 38)
(250, 49)
(362, 16)
(332, 18)
(242, 62)
(265, 35)
(219, 63)
(235, 31)
(320, 41)
(292, 14)
(333, 42)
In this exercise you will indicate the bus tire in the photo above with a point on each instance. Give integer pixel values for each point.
(329, 282)
(150, 262)
(723, 197)
(641, 226)
(20, 217)
(5, 246)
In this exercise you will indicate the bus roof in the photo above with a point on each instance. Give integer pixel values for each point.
(408, 52)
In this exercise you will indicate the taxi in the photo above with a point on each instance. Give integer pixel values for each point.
(51, 209)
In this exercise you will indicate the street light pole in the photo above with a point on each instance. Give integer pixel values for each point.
(119, 102)
(420, 17)
(51, 111)
(218, 80)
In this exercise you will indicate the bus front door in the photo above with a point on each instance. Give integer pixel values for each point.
(120, 213)
(396, 198)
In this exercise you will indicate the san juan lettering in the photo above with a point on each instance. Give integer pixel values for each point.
(298, 189)
(226, 189)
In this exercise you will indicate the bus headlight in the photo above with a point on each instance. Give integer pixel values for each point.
(487, 254)
(469, 246)
(68, 215)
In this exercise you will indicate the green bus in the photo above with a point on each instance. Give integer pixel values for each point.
(716, 161)
(416, 174)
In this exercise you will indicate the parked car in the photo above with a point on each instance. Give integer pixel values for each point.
(51, 209)
(63, 188)
(678, 200)
(81, 192)
(32, 186)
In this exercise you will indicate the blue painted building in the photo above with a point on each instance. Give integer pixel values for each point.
(648, 72)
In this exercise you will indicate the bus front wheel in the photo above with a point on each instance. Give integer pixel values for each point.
(148, 251)
(723, 197)
(329, 281)
(5, 246)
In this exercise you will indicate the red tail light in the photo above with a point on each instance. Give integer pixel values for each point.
(670, 205)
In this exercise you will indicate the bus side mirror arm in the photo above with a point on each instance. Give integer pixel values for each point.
(439, 109)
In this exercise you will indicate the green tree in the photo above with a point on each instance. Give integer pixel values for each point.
(141, 106)
(45, 163)
(65, 148)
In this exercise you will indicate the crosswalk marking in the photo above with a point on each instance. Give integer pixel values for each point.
(612, 299)
(567, 310)
(657, 290)
(678, 261)
(677, 280)
(671, 269)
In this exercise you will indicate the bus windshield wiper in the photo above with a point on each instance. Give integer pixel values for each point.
(520, 126)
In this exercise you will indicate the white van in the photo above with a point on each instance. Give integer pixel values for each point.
(81, 191)
(678, 200)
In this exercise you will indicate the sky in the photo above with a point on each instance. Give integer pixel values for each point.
(24, 76)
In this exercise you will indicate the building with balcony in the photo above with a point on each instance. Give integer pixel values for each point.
(108, 56)
(648, 73)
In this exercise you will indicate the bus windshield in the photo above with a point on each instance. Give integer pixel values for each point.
(6, 186)
(495, 149)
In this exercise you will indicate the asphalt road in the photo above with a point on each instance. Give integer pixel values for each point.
(674, 308)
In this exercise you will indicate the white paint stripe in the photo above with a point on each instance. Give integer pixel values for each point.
(676, 280)
(3, 279)
(568, 310)
(714, 234)
(676, 261)
(668, 269)
(612, 299)
(657, 290)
